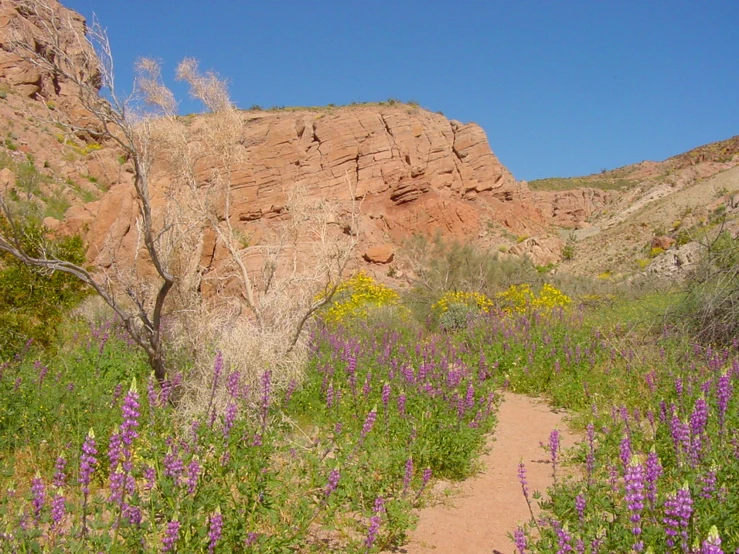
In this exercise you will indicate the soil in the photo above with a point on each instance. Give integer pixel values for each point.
(477, 514)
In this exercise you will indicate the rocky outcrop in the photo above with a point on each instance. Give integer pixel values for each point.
(27, 24)
(571, 208)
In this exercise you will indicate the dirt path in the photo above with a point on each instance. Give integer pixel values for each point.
(483, 509)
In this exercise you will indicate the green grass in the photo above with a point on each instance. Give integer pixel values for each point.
(571, 183)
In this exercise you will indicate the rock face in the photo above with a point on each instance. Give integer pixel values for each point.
(25, 23)
(407, 171)
(571, 208)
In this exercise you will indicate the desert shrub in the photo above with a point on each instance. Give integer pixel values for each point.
(441, 267)
(710, 309)
(33, 301)
(356, 297)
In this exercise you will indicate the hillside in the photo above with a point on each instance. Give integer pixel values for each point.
(403, 170)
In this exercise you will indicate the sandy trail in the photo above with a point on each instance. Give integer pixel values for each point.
(486, 507)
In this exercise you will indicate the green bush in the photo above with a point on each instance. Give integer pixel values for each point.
(33, 301)
(710, 310)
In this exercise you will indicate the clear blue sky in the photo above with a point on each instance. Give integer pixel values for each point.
(561, 88)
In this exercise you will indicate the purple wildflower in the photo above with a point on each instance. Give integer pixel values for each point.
(401, 403)
(87, 462)
(634, 481)
(709, 483)
(580, 508)
(60, 477)
(150, 475)
(653, 473)
(712, 544)
(723, 395)
(385, 395)
(625, 451)
(519, 537)
(369, 423)
(130, 411)
(408, 475)
(232, 411)
(173, 466)
(698, 422)
(333, 482)
(39, 495)
(232, 384)
(171, 535)
(522, 480)
(193, 474)
(151, 393)
(554, 451)
(58, 508)
(375, 521)
(215, 530)
(678, 509)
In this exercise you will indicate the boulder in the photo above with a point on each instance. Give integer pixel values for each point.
(380, 254)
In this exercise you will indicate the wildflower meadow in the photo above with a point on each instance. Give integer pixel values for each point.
(96, 455)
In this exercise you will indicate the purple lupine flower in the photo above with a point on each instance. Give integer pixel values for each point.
(469, 400)
(251, 539)
(150, 475)
(115, 449)
(171, 535)
(401, 403)
(116, 394)
(580, 508)
(625, 451)
(117, 481)
(678, 509)
(333, 483)
(58, 508)
(215, 530)
(173, 466)
(522, 480)
(151, 393)
(634, 482)
(723, 395)
(426, 476)
(385, 395)
(193, 474)
(130, 411)
(698, 422)
(369, 423)
(38, 491)
(554, 451)
(133, 514)
(519, 537)
(408, 475)
(60, 477)
(709, 483)
(653, 473)
(87, 462)
(232, 384)
(712, 544)
(232, 411)
(375, 521)
(564, 539)
(680, 433)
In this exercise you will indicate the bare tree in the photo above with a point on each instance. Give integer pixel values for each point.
(111, 120)
(281, 297)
